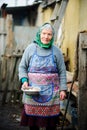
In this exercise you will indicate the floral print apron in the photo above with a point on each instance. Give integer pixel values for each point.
(43, 73)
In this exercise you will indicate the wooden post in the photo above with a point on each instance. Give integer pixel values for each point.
(9, 38)
(82, 96)
(2, 36)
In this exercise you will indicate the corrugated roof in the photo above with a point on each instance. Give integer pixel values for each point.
(19, 3)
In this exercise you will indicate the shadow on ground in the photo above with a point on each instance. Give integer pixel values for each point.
(10, 118)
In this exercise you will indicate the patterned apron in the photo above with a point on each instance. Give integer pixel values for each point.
(43, 73)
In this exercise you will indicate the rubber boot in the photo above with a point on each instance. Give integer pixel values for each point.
(50, 128)
(33, 128)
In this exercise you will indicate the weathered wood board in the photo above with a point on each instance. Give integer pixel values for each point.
(82, 96)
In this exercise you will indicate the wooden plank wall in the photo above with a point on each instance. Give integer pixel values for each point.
(13, 43)
(9, 61)
(82, 95)
(10, 83)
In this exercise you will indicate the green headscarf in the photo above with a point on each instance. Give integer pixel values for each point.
(37, 39)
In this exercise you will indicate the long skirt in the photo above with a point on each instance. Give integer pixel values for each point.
(30, 121)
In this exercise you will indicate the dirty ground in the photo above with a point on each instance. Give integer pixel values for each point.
(10, 118)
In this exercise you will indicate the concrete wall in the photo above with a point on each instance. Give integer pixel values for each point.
(83, 16)
(47, 14)
(75, 21)
(71, 28)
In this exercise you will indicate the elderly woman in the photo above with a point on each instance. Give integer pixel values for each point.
(42, 65)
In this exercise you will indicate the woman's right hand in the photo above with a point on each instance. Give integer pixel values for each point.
(25, 85)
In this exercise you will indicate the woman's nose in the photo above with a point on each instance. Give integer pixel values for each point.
(46, 36)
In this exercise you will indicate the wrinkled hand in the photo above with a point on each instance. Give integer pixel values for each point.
(62, 95)
(25, 85)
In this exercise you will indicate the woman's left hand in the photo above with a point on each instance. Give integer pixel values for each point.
(62, 95)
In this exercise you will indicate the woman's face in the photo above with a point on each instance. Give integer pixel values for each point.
(46, 36)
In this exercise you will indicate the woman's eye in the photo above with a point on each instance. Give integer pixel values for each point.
(49, 34)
